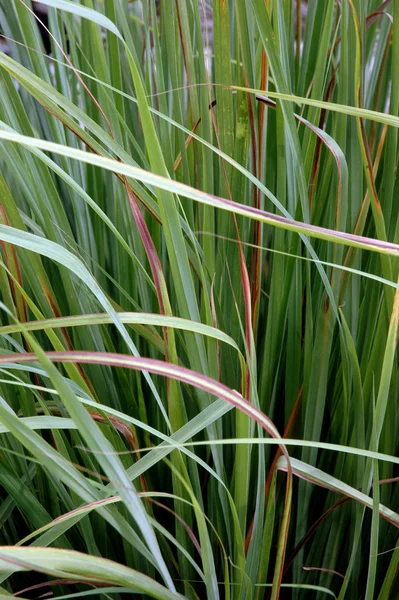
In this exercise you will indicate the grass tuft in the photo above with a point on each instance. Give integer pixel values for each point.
(199, 302)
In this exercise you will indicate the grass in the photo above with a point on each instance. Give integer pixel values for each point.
(199, 300)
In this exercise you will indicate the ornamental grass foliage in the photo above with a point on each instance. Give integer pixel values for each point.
(199, 304)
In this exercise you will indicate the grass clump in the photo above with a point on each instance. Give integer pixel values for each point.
(199, 299)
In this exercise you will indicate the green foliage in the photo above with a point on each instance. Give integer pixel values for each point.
(199, 299)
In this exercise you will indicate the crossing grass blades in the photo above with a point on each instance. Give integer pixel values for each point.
(199, 308)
